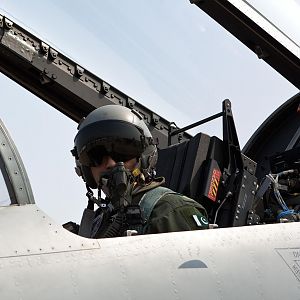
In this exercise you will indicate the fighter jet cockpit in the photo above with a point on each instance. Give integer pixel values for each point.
(216, 84)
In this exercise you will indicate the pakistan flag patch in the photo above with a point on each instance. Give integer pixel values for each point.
(200, 220)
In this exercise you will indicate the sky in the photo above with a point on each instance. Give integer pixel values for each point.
(166, 54)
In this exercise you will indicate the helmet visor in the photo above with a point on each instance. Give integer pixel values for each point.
(119, 150)
(119, 139)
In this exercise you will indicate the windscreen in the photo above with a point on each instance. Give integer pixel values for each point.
(168, 55)
(283, 14)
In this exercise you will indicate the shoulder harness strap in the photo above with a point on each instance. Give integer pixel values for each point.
(149, 200)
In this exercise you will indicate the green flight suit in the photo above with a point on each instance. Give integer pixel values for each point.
(173, 212)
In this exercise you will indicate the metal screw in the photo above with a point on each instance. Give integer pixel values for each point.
(8, 24)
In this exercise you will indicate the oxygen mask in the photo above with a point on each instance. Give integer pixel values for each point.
(117, 184)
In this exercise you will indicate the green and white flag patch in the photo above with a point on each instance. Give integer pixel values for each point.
(200, 220)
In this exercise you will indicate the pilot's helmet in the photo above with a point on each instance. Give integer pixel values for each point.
(116, 131)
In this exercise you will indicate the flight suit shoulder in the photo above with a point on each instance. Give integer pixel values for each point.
(176, 212)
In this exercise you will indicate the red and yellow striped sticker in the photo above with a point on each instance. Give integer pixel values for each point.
(214, 184)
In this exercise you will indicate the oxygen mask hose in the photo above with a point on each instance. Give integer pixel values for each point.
(120, 179)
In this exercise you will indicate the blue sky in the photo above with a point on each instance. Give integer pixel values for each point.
(166, 54)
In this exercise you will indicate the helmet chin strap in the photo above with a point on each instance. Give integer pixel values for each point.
(92, 199)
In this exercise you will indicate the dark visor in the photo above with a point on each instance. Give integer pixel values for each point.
(120, 151)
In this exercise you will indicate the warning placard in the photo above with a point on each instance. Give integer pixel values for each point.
(291, 256)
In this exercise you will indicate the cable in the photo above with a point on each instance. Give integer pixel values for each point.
(274, 181)
(229, 194)
(285, 213)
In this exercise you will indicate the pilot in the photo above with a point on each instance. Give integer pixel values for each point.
(116, 154)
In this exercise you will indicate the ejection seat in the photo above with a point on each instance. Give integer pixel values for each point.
(187, 166)
(184, 165)
(213, 172)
